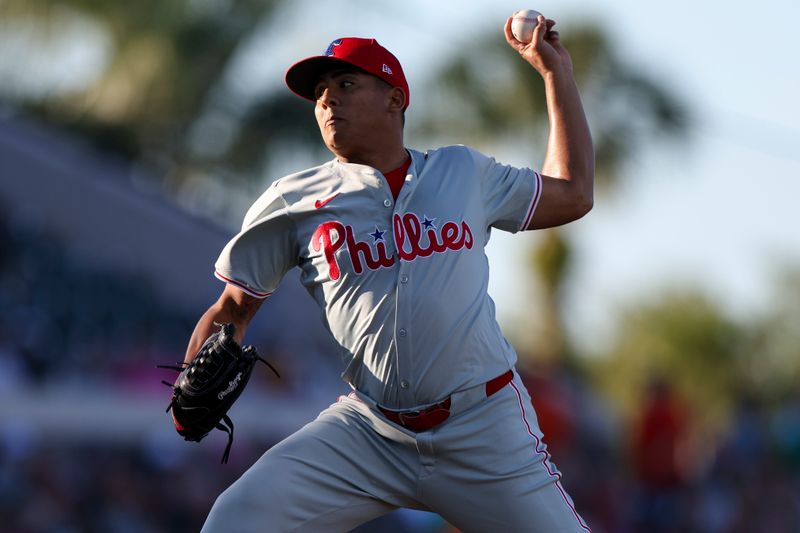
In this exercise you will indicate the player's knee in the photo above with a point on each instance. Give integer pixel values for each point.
(258, 497)
(224, 511)
(235, 502)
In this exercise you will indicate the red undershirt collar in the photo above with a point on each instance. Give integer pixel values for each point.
(397, 177)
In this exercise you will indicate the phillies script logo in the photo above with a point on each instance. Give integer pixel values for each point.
(408, 233)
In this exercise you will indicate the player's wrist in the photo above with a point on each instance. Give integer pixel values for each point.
(558, 72)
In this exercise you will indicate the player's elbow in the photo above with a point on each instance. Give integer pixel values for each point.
(575, 211)
(582, 198)
(577, 192)
(583, 188)
(584, 205)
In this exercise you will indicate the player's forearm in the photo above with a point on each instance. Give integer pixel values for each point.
(204, 328)
(232, 307)
(570, 153)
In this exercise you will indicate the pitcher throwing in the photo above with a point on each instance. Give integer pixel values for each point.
(390, 243)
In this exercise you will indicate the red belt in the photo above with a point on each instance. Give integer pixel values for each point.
(434, 415)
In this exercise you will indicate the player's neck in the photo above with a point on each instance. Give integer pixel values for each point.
(383, 161)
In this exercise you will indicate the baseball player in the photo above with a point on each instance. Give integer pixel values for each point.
(390, 243)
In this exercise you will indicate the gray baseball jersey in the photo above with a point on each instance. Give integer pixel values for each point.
(403, 285)
(403, 288)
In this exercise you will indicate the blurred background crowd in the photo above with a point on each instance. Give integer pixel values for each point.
(132, 139)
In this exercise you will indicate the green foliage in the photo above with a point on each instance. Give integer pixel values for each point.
(711, 359)
(773, 368)
(551, 260)
(166, 59)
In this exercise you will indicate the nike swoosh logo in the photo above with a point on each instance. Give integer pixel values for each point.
(321, 203)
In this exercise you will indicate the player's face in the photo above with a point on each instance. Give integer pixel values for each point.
(353, 111)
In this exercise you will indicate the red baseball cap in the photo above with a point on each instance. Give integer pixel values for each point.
(365, 54)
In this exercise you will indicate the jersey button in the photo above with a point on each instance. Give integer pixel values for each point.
(402, 332)
(403, 279)
(404, 384)
(387, 203)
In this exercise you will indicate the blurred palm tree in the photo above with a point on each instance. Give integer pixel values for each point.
(160, 99)
(492, 98)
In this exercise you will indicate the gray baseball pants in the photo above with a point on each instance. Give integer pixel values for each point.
(485, 469)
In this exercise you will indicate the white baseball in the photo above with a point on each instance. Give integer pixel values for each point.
(523, 23)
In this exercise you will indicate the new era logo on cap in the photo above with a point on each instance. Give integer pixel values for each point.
(364, 54)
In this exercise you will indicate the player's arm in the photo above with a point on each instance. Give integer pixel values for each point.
(233, 306)
(568, 168)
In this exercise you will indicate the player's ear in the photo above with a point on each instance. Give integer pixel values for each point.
(397, 99)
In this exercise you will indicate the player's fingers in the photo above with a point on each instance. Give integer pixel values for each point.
(510, 39)
(539, 30)
(550, 24)
(507, 30)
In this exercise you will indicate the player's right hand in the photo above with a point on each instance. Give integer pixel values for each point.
(545, 52)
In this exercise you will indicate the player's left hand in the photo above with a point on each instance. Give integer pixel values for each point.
(545, 52)
(210, 384)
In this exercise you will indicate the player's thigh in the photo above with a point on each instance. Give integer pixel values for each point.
(547, 509)
(493, 471)
(332, 475)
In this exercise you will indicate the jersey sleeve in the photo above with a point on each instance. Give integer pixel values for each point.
(510, 194)
(263, 251)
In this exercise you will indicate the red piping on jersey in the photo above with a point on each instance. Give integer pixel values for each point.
(546, 462)
(534, 202)
(245, 288)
